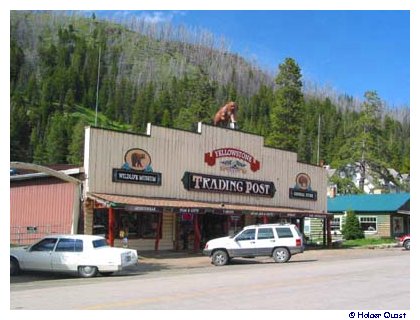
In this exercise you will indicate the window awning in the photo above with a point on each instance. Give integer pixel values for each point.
(116, 201)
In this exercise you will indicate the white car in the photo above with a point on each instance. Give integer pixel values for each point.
(275, 240)
(85, 255)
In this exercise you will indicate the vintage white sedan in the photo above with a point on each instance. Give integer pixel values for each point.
(85, 255)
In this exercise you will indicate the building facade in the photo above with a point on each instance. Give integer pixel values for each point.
(43, 201)
(380, 215)
(176, 189)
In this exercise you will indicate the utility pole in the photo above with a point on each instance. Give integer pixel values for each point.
(319, 134)
(97, 87)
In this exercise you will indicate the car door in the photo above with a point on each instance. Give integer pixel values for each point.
(265, 241)
(38, 257)
(244, 244)
(67, 254)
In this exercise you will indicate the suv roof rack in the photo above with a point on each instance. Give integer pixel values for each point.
(268, 225)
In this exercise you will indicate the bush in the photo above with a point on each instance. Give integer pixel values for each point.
(351, 229)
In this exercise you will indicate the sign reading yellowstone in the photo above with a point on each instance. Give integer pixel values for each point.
(231, 165)
(201, 182)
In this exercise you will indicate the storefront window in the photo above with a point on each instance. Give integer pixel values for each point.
(138, 225)
(336, 224)
(368, 224)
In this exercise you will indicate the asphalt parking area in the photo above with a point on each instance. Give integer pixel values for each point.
(152, 262)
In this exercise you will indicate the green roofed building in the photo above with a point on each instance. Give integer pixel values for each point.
(380, 215)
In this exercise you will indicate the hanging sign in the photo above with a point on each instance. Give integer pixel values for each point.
(120, 175)
(207, 183)
(302, 189)
(236, 160)
(137, 169)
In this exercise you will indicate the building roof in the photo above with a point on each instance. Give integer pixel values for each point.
(390, 202)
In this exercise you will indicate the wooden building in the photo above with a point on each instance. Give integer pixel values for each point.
(380, 215)
(43, 200)
(176, 189)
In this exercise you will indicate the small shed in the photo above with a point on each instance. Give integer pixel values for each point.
(380, 215)
(43, 200)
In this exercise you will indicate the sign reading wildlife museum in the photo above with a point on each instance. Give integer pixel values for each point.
(207, 183)
(137, 169)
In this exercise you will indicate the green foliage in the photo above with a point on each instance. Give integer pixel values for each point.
(286, 114)
(351, 228)
(53, 90)
(367, 242)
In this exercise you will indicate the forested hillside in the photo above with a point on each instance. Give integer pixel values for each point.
(64, 67)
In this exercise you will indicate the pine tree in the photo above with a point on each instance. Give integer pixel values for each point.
(286, 114)
(351, 228)
(75, 149)
(364, 144)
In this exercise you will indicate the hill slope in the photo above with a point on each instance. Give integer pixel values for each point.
(165, 76)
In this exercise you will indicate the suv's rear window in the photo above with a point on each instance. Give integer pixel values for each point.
(284, 233)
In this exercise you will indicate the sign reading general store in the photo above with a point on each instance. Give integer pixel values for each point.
(302, 189)
(207, 183)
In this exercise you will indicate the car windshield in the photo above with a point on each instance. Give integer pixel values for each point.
(99, 243)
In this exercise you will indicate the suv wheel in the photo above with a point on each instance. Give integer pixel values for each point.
(281, 255)
(219, 258)
(407, 244)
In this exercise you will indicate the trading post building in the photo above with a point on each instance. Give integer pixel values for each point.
(172, 189)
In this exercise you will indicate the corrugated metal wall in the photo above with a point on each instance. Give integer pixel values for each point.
(47, 205)
(175, 151)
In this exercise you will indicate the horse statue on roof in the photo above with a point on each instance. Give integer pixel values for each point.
(226, 116)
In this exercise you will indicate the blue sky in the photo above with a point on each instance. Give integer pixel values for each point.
(350, 51)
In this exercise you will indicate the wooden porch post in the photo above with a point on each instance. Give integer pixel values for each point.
(197, 235)
(329, 241)
(265, 219)
(111, 220)
(158, 231)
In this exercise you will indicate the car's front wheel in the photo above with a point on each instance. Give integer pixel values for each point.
(407, 244)
(219, 258)
(14, 267)
(87, 271)
(281, 255)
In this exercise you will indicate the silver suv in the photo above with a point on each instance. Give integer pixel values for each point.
(274, 240)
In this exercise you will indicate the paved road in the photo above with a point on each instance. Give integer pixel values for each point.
(353, 279)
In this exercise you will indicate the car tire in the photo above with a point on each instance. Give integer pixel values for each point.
(219, 258)
(87, 271)
(281, 255)
(407, 244)
(14, 267)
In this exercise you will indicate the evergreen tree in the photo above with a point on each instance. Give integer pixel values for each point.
(364, 142)
(56, 140)
(75, 149)
(351, 228)
(286, 114)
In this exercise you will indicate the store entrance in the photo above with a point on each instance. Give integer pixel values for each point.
(194, 230)
(220, 225)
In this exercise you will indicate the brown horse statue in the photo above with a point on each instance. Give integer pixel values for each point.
(226, 116)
